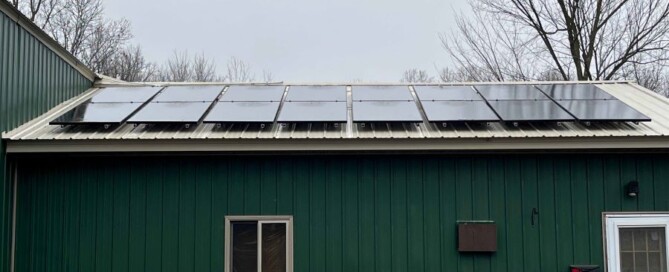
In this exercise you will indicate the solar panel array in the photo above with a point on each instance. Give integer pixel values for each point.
(367, 104)
(384, 104)
(308, 104)
(454, 104)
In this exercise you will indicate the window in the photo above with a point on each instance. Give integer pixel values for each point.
(637, 242)
(258, 244)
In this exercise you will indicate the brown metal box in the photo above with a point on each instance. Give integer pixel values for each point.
(477, 237)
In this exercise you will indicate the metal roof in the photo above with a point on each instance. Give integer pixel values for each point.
(39, 136)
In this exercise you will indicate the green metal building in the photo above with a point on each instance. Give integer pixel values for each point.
(317, 197)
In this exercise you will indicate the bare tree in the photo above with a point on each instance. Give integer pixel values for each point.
(416, 76)
(267, 76)
(575, 40)
(178, 68)
(38, 11)
(129, 64)
(204, 69)
(238, 71)
(80, 27)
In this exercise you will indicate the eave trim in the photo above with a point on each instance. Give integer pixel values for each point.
(336, 145)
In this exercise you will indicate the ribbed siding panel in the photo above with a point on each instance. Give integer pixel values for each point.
(351, 213)
(33, 79)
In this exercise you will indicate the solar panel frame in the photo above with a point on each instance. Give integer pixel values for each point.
(97, 113)
(511, 92)
(170, 112)
(253, 94)
(447, 93)
(575, 92)
(316, 94)
(124, 94)
(376, 111)
(615, 111)
(381, 93)
(312, 112)
(459, 111)
(189, 94)
(530, 111)
(243, 112)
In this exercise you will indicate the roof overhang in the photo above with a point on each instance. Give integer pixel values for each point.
(341, 145)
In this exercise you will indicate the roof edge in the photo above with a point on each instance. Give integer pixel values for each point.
(102, 84)
(338, 145)
(23, 21)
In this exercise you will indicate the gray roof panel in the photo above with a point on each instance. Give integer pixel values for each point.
(253, 93)
(316, 94)
(189, 94)
(381, 93)
(447, 93)
(386, 111)
(243, 112)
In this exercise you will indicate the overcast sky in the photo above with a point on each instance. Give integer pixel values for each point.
(297, 40)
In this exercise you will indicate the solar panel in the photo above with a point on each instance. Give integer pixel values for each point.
(459, 111)
(253, 93)
(386, 111)
(575, 91)
(173, 112)
(530, 111)
(381, 93)
(97, 113)
(511, 92)
(447, 93)
(124, 94)
(243, 112)
(189, 94)
(299, 112)
(603, 110)
(316, 94)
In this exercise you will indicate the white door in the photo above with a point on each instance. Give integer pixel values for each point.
(637, 242)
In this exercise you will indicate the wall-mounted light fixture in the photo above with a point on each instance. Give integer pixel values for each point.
(632, 189)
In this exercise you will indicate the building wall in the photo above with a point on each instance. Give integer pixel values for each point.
(33, 79)
(388, 213)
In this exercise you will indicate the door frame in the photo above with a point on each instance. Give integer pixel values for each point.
(611, 222)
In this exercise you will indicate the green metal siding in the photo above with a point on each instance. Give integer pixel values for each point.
(33, 79)
(350, 213)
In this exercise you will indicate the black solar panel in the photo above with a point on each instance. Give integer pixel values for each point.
(316, 94)
(253, 93)
(575, 91)
(97, 113)
(171, 112)
(125, 94)
(386, 111)
(530, 111)
(446, 93)
(381, 93)
(300, 112)
(459, 111)
(603, 110)
(511, 92)
(243, 112)
(189, 94)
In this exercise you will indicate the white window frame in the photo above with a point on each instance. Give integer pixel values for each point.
(287, 219)
(615, 221)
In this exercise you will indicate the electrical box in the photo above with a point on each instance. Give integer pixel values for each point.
(477, 236)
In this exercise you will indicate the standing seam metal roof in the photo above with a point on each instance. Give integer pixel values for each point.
(651, 104)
